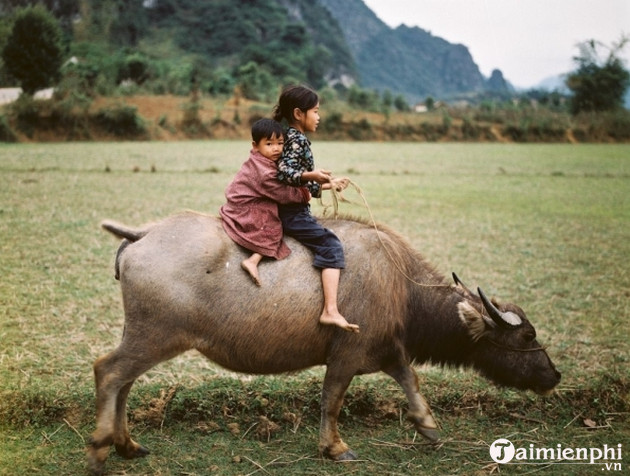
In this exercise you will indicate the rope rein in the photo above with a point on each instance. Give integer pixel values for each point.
(338, 197)
(514, 349)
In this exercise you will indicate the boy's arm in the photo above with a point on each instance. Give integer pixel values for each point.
(273, 189)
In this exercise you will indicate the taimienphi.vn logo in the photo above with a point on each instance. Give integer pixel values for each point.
(504, 452)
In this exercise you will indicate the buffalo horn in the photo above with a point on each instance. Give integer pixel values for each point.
(459, 282)
(494, 313)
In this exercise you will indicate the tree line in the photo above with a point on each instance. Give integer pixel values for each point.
(40, 50)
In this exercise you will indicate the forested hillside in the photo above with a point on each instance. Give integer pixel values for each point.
(288, 38)
(173, 46)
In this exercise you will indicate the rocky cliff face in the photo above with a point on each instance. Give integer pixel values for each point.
(404, 60)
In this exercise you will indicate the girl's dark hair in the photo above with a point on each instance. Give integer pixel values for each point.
(266, 129)
(293, 97)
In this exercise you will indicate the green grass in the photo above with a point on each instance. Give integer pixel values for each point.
(544, 226)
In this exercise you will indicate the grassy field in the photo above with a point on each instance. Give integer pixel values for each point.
(544, 226)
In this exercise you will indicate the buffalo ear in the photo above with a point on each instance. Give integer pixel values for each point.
(476, 323)
(458, 282)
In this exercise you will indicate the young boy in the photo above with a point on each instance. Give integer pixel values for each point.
(250, 216)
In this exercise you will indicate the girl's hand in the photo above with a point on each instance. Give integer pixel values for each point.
(318, 175)
(340, 183)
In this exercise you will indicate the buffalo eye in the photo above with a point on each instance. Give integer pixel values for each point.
(530, 335)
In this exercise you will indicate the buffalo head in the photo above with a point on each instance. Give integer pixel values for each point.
(505, 348)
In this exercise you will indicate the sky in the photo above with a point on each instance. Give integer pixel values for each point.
(528, 40)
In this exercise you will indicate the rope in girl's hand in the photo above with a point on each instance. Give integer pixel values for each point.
(337, 197)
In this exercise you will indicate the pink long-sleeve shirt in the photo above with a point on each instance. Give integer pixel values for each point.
(250, 216)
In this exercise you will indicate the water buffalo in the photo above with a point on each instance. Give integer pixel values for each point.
(183, 288)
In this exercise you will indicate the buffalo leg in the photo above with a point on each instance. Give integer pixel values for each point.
(336, 383)
(125, 446)
(419, 412)
(114, 375)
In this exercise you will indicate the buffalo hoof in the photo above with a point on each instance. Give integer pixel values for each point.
(96, 468)
(430, 434)
(141, 452)
(347, 456)
(97, 471)
(138, 451)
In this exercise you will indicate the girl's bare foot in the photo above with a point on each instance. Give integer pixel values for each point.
(252, 270)
(338, 320)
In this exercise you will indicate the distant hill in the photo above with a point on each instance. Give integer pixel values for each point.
(343, 41)
(290, 38)
(406, 60)
(256, 44)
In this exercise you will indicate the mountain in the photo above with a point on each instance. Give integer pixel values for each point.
(320, 42)
(258, 43)
(405, 60)
(290, 38)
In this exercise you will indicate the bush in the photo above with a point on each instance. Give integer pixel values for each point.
(470, 130)
(602, 127)
(6, 133)
(191, 123)
(618, 125)
(606, 126)
(26, 113)
(333, 122)
(360, 130)
(434, 132)
(120, 120)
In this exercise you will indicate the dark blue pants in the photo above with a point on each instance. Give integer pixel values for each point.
(298, 223)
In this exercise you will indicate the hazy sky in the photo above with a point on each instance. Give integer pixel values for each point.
(528, 40)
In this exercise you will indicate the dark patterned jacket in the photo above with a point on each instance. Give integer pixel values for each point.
(296, 159)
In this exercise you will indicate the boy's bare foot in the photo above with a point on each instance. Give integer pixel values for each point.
(252, 270)
(339, 321)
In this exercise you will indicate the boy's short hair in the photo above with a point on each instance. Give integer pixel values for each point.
(265, 129)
